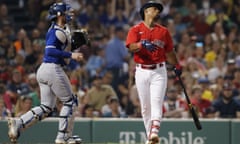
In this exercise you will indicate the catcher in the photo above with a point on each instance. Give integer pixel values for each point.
(52, 79)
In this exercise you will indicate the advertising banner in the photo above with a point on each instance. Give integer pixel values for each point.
(172, 132)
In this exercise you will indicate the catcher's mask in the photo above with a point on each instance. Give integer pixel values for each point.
(150, 4)
(59, 9)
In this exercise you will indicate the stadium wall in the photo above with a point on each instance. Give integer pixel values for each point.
(131, 131)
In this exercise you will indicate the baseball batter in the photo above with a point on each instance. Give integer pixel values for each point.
(52, 80)
(152, 46)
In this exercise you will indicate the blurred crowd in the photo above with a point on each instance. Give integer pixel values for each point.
(206, 38)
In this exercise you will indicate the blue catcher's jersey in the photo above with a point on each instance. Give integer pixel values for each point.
(54, 50)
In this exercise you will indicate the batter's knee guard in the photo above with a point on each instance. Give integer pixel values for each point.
(34, 115)
(66, 120)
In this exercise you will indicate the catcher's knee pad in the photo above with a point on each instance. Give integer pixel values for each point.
(41, 112)
(36, 114)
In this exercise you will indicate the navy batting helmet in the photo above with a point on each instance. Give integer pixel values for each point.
(58, 9)
(150, 4)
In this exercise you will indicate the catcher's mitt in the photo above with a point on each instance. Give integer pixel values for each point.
(79, 38)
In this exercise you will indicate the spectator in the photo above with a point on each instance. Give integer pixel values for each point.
(119, 13)
(4, 113)
(4, 45)
(116, 55)
(207, 93)
(180, 27)
(5, 18)
(133, 96)
(86, 15)
(226, 106)
(34, 8)
(96, 95)
(184, 48)
(211, 55)
(115, 112)
(222, 18)
(23, 105)
(107, 78)
(123, 86)
(207, 41)
(127, 106)
(96, 64)
(107, 107)
(14, 89)
(10, 55)
(173, 105)
(4, 72)
(218, 34)
(218, 69)
(236, 78)
(200, 25)
(230, 68)
(88, 111)
(201, 105)
(34, 89)
(22, 43)
(103, 16)
(81, 103)
(234, 49)
(33, 57)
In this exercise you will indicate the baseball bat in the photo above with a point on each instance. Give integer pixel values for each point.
(192, 110)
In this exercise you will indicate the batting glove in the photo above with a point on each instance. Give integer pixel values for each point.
(178, 69)
(148, 45)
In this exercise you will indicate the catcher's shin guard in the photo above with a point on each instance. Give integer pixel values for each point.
(66, 121)
(35, 115)
(72, 117)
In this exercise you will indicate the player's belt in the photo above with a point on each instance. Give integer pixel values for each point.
(52, 63)
(151, 67)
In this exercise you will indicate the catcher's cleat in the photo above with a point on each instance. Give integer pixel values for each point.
(13, 130)
(71, 140)
(77, 139)
(153, 139)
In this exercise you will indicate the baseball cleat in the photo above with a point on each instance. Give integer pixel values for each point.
(77, 139)
(154, 139)
(60, 141)
(13, 130)
(71, 140)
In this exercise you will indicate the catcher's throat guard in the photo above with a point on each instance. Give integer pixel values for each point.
(79, 38)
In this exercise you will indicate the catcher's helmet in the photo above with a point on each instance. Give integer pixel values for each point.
(150, 4)
(58, 9)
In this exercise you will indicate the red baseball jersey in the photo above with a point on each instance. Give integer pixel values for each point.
(158, 35)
